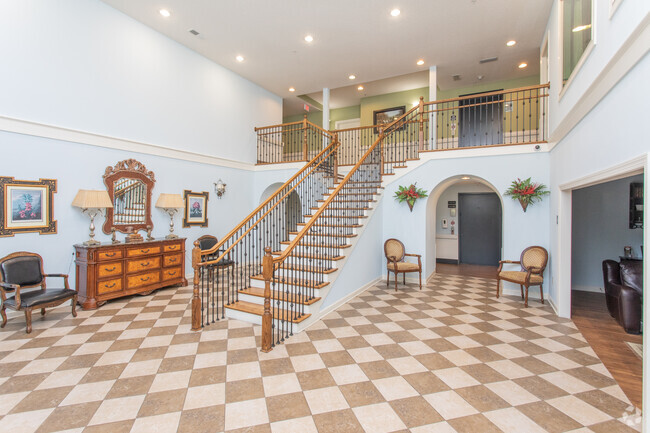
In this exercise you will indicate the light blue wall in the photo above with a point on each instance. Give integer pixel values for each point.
(79, 166)
(520, 229)
(600, 230)
(82, 65)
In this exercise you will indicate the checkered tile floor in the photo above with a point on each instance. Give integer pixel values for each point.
(449, 358)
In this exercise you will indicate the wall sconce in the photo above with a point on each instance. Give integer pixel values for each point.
(219, 188)
(92, 203)
(170, 203)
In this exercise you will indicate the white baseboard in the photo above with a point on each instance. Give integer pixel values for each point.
(593, 289)
(337, 304)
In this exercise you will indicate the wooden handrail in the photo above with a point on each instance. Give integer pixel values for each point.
(259, 128)
(245, 220)
(223, 240)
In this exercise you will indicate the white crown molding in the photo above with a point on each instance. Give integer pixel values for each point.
(628, 168)
(631, 52)
(26, 127)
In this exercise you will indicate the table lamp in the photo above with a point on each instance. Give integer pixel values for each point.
(92, 202)
(170, 203)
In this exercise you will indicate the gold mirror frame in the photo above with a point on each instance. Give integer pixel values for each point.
(131, 169)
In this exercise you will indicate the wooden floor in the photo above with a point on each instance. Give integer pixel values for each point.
(607, 338)
(589, 313)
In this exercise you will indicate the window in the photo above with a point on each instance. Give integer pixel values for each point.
(576, 34)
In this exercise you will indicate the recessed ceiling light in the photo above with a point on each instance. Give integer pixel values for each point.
(292, 89)
(309, 38)
(511, 43)
(165, 13)
(395, 12)
(522, 65)
(581, 28)
(465, 178)
(240, 58)
(420, 62)
(352, 76)
(360, 88)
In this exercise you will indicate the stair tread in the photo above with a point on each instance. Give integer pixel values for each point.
(300, 244)
(326, 235)
(338, 216)
(258, 310)
(259, 292)
(351, 226)
(294, 282)
(348, 201)
(311, 256)
(342, 208)
(302, 268)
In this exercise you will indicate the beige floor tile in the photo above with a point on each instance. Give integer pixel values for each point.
(450, 405)
(287, 406)
(165, 423)
(157, 341)
(246, 370)
(512, 421)
(205, 396)
(378, 418)
(345, 374)
(117, 409)
(416, 348)
(241, 343)
(568, 383)
(325, 400)
(394, 388)
(407, 365)
(63, 378)
(93, 348)
(302, 425)
(9, 401)
(330, 345)
(87, 392)
(365, 354)
(439, 427)
(579, 410)
(455, 377)
(415, 411)
(141, 368)
(203, 360)
(460, 357)
(378, 339)
(281, 384)
(25, 422)
(40, 366)
(118, 357)
(173, 380)
(307, 362)
(511, 392)
(245, 414)
(182, 350)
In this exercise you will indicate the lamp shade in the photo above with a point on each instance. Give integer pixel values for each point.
(170, 201)
(92, 199)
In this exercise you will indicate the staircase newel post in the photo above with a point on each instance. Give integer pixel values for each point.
(421, 134)
(304, 139)
(336, 159)
(267, 318)
(196, 300)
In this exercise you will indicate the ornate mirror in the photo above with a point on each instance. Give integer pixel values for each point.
(129, 185)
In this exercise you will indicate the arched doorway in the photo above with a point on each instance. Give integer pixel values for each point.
(289, 211)
(464, 222)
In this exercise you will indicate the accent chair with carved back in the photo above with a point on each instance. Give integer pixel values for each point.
(395, 261)
(23, 270)
(533, 262)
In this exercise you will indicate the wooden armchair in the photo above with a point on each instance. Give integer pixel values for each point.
(208, 241)
(395, 253)
(533, 262)
(23, 270)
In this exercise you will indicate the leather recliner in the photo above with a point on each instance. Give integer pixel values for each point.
(624, 293)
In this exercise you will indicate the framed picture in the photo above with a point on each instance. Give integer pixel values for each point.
(386, 116)
(196, 209)
(27, 206)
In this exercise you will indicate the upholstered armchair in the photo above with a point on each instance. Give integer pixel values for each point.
(533, 261)
(395, 255)
(23, 270)
(624, 292)
(208, 241)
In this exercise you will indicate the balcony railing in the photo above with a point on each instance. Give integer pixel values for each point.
(505, 117)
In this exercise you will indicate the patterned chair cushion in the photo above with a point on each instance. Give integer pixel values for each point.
(520, 277)
(403, 266)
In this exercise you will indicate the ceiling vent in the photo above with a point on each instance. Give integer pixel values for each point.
(488, 60)
(194, 32)
(456, 77)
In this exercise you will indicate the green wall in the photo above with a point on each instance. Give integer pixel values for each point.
(390, 100)
(531, 80)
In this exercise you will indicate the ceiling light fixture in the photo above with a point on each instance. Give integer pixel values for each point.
(292, 89)
(511, 43)
(395, 12)
(352, 77)
(309, 38)
(522, 65)
(165, 13)
(420, 62)
(240, 58)
(360, 88)
(581, 28)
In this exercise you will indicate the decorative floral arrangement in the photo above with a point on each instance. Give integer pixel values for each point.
(409, 195)
(526, 192)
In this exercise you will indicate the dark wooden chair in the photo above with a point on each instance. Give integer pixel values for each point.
(208, 241)
(23, 270)
(533, 262)
(395, 254)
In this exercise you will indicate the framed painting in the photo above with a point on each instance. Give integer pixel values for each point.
(196, 209)
(386, 116)
(27, 206)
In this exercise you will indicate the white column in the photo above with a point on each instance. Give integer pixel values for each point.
(326, 111)
(433, 96)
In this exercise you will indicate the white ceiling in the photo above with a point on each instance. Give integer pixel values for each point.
(357, 37)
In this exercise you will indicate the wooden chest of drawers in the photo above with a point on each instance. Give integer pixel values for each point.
(110, 271)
